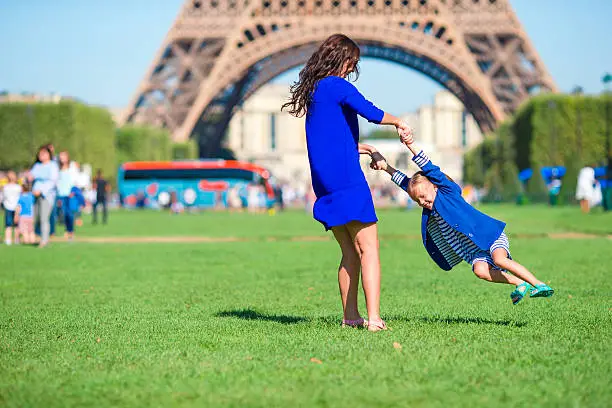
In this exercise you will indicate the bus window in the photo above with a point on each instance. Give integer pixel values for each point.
(188, 174)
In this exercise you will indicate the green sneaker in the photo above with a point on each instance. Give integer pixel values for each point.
(520, 291)
(542, 290)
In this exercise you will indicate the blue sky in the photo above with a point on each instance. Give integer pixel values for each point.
(98, 51)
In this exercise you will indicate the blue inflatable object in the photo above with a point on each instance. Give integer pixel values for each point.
(525, 174)
(559, 171)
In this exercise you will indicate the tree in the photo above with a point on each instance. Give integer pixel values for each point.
(512, 187)
(473, 170)
(493, 185)
(382, 134)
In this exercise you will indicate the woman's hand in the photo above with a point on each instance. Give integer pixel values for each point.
(366, 149)
(403, 129)
(36, 193)
(378, 162)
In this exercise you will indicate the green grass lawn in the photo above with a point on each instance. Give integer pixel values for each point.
(256, 323)
(536, 220)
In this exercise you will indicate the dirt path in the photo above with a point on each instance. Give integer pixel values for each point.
(203, 239)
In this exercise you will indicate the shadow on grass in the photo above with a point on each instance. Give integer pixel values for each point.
(250, 314)
(470, 320)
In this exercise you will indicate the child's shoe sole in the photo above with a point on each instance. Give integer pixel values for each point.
(519, 293)
(542, 291)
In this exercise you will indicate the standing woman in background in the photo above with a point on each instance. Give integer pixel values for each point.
(44, 175)
(65, 184)
(344, 202)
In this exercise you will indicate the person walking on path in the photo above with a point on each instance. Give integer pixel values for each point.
(102, 189)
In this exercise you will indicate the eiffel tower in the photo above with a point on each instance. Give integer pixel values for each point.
(219, 52)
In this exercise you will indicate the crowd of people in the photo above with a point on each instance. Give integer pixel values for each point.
(54, 190)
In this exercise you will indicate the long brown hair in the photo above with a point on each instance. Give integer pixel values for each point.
(64, 164)
(338, 55)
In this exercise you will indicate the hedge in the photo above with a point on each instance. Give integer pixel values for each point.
(547, 130)
(86, 132)
(550, 129)
(536, 190)
(185, 151)
(141, 143)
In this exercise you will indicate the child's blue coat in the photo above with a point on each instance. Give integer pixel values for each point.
(76, 199)
(478, 227)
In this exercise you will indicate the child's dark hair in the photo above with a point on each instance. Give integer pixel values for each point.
(338, 55)
(26, 187)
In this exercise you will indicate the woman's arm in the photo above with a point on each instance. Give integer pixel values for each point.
(353, 98)
(17, 212)
(366, 148)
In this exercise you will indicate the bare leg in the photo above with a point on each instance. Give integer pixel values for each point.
(584, 206)
(500, 257)
(486, 272)
(8, 235)
(366, 241)
(348, 273)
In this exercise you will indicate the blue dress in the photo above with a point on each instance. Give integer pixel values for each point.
(332, 136)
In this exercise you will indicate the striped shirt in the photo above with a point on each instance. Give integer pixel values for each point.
(454, 245)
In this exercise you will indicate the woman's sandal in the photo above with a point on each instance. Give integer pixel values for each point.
(377, 326)
(359, 323)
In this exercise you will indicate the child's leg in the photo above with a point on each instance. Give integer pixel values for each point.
(365, 237)
(31, 236)
(348, 273)
(8, 234)
(486, 272)
(500, 257)
(68, 216)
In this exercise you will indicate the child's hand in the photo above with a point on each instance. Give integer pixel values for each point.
(407, 139)
(378, 162)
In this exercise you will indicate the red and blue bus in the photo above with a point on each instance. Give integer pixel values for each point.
(200, 183)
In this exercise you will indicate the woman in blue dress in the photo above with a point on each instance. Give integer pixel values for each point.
(344, 202)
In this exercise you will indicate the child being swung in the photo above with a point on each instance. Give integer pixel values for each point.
(452, 230)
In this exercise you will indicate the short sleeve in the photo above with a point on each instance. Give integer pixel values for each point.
(350, 96)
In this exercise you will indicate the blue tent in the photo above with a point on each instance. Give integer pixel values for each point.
(525, 174)
(547, 173)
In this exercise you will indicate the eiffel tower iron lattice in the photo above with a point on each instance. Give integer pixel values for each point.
(218, 52)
